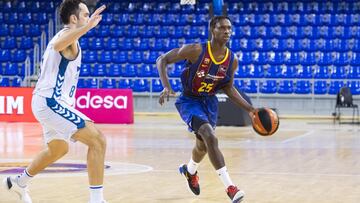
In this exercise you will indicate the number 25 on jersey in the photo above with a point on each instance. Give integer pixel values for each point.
(205, 87)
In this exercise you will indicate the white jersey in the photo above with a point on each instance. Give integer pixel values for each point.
(58, 75)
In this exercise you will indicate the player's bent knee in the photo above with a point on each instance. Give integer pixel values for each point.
(208, 135)
(58, 148)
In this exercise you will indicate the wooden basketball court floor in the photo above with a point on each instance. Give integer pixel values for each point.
(307, 161)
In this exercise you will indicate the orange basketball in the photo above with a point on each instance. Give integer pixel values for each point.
(265, 121)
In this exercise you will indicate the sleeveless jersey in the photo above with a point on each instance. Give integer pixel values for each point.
(207, 76)
(58, 75)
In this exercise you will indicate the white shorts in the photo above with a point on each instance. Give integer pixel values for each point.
(59, 120)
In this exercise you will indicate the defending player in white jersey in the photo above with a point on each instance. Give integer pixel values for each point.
(53, 100)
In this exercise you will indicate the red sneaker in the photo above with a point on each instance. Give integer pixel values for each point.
(235, 194)
(193, 180)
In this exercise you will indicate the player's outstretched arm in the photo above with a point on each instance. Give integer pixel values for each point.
(72, 35)
(234, 95)
(187, 52)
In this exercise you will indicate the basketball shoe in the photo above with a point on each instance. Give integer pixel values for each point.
(11, 185)
(192, 180)
(235, 194)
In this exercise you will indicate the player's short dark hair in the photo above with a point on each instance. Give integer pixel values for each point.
(68, 8)
(217, 19)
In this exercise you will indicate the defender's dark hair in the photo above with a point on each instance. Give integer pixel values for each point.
(68, 8)
(217, 19)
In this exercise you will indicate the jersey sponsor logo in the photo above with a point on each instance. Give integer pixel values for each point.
(96, 101)
(200, 74)
(214, 77)
(8, 104)
(206, 60)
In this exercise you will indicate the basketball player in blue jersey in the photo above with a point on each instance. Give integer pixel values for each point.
(210, 68)
(52, 104)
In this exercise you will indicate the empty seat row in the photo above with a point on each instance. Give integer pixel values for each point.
(10, 82)
(302, 58)
(127, 70)
(324, 72)
(138, 85)
(319, 87)
(288, 19)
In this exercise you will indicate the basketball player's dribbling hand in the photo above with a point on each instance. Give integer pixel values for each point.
(166, 93)
(96, 17)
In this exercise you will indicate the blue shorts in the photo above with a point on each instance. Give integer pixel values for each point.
(205, 108)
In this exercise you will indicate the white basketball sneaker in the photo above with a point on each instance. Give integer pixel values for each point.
(13, 187)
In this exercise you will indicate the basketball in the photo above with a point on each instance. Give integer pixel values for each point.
(265, 121)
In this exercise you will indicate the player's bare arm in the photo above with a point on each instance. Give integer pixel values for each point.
(70, 36)
(233, 94)
(187, 52)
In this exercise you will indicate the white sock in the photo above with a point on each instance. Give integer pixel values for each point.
(23, 178)
(96, 193)
(224, 176)
(192, 166)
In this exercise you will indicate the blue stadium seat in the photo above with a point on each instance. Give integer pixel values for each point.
(103, 31)
(84, 43)
(129, 71)
(4, 30)
(85, 70)
(112, 44)
(35, 7)
(321, 72)
(156, 85)
(10, 18)
(98, 70)
(175, 71)
(135, 57)
(286, 87)
(354, 72)
(288, 72)
(338, 72)
(108, 83)
(256, 71)
(273, 72)
(93, 83)
(355, 59)
(304, 72)
(144, 70)
(291, 58)
(119, 57)
(335, 86)
(11, 69)
(150, 57)
(107, 19)
(19, 56)
(141, 85)
(4, 82)
(39, 18)
(117, 31)
(176, 85)
(154, 72)
(25, 18)
(268, 87)
(33, 31)
(114, 70)
(16, 82)
(26, 43)
(240, 85)
(125, 83)
(97, 44)
(242, 72)
(275, 58)
(303, 87)
(128, 44)
(9, 43)
(89, 56)
(354, 87)
(251, 86)
(105, 57)
(131, 31)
